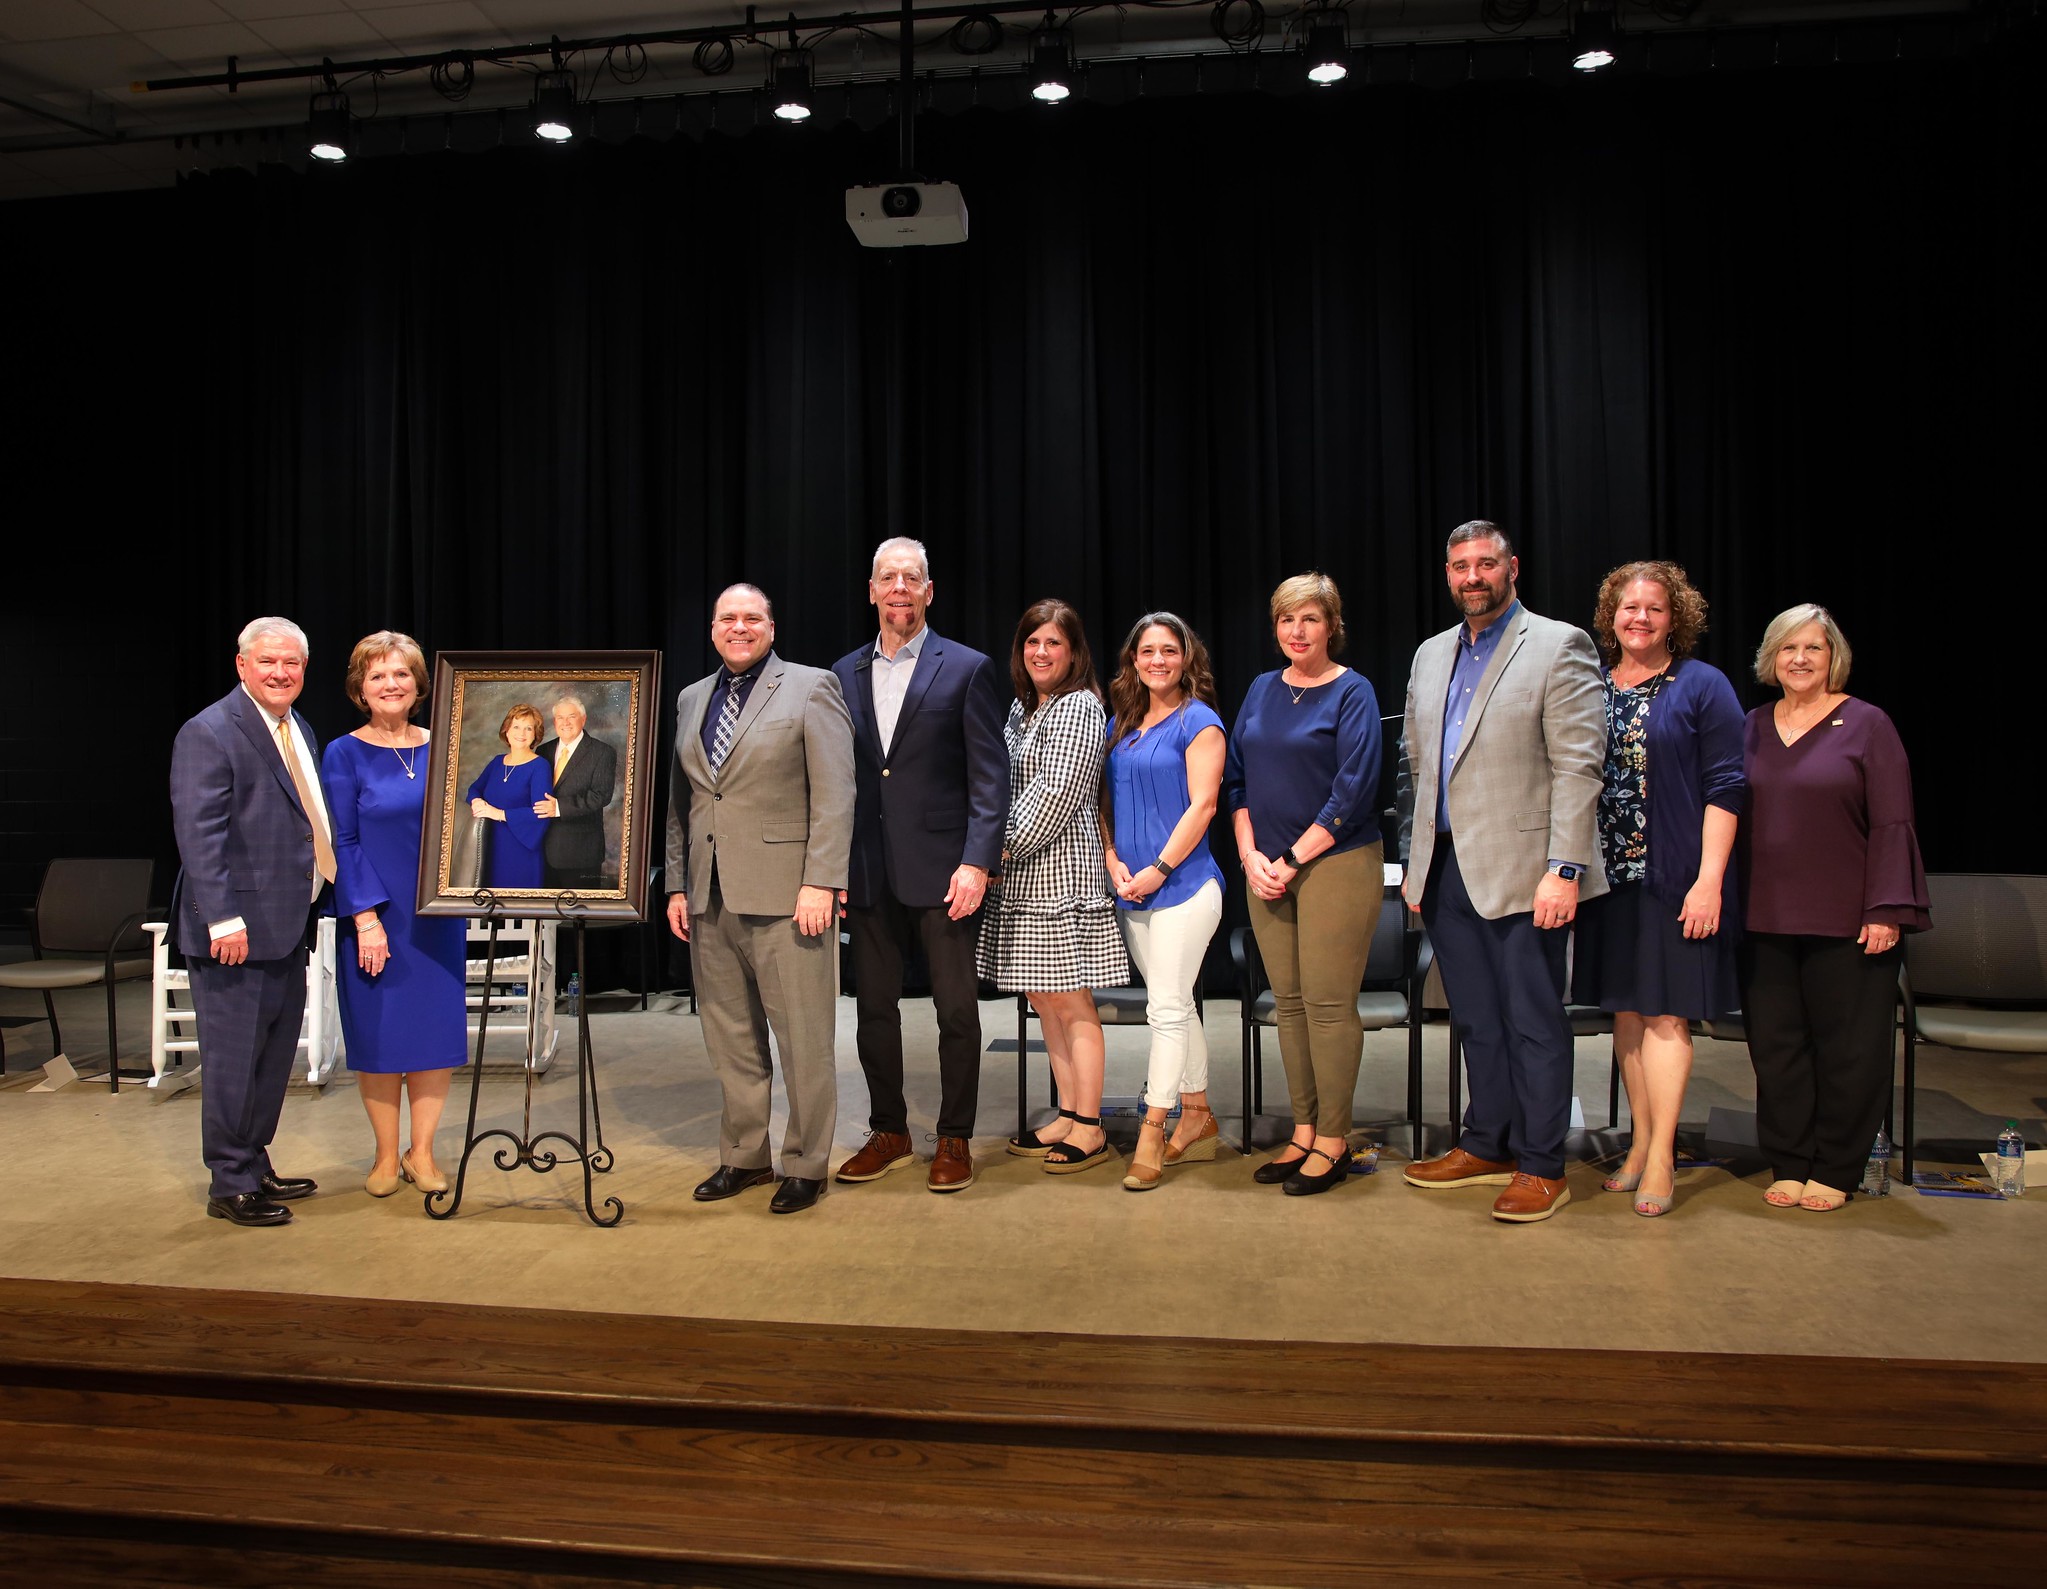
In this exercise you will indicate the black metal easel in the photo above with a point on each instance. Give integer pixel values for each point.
(523, 1148)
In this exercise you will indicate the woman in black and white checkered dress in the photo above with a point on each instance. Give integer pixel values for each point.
(1049, 930)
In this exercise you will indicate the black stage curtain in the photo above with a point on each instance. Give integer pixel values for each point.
(1776, 324)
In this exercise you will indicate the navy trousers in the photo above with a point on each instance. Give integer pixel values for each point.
(249, 1017)
(1505, 980)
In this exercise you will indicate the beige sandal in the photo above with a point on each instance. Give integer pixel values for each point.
(1821, 1199)
(1784, 1194)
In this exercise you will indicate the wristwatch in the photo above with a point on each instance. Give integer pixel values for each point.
(1161, 867)
(1566, 871)
(1290, 858)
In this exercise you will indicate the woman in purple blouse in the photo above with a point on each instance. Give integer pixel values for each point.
(1657, 950)
(1832, 874)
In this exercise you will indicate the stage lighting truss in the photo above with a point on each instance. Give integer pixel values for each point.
(1053, 74)
(1326, 32)
(1595, 35)
(554, 105)
(789, 78)
(330, 135)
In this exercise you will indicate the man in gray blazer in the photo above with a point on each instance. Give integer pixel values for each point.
(760, 823)
(1504, 749)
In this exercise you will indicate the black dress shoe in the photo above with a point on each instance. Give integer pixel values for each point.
(1304, 1183)
(248, 1208)
(287, 1188)
(726, 1181)
(795, 1194)
(1275, 1172)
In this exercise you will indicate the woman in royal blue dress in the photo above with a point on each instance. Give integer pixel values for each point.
(403, 1019)
(505, 793)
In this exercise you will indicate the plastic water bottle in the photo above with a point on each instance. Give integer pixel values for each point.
(2008, 1169)
(575, 992)
(1876, 1173)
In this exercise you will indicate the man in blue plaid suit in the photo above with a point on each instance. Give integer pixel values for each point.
(257, 854)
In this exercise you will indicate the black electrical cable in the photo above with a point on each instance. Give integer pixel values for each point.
(1238, 23)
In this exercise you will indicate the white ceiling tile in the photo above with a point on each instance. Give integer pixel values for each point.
(335, 33)
(50, 19)
(264, 10)
(133, 14)
(434, 25)
(206, 48)
(108, 64)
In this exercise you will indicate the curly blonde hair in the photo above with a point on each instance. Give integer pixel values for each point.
(1687, 606)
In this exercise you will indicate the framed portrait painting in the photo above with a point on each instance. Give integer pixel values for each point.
(542, 784)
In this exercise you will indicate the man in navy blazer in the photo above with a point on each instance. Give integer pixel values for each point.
(258, 855)
(931, 776)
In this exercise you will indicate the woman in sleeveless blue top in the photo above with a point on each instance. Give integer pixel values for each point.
(1165, 772)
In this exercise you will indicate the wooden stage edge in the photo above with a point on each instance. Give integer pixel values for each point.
(157, 1435)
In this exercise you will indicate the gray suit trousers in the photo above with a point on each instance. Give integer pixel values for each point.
(753, 974)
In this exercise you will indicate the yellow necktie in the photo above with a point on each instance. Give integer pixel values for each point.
(561, 759)
(323, 851)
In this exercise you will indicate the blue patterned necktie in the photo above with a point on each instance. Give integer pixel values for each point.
(728, 725)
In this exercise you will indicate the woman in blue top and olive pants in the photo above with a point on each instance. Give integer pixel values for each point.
(1165, 768)
(1301, 783)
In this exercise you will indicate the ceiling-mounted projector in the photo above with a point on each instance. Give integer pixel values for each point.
(907, 214)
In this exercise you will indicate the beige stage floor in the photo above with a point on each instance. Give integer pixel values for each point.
(111, 1188)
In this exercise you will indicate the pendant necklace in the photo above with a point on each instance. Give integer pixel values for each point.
(407, 765)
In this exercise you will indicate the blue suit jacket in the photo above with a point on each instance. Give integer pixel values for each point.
(939, 797)
(245, 843)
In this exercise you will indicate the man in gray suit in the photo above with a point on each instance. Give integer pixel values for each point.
(760, 823)
(1504, 749)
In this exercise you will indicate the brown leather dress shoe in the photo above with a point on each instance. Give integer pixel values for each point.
(953, 1168)
(1531, 1197)
(883, 1151)
(1458, 1168)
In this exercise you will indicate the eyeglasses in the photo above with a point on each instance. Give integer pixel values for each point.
(899, 580)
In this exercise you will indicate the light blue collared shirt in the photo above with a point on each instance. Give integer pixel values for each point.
(1473, 658)
(891, 679)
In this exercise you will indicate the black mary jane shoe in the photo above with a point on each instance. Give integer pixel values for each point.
(1274, 1171)
(248, 1208)
(1302, 1184)
(796, 1193)
(727, 1181)
(286, 1188)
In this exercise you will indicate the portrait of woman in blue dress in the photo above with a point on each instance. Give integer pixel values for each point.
(400, 975)
(505, 793)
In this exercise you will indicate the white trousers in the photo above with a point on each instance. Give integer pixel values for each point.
(1167, 947)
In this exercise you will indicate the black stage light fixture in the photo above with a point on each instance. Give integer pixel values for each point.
(1594, 38)
(330, 135)
(1328, 47)
(1052, 69)
(554, 105)
(789, 80)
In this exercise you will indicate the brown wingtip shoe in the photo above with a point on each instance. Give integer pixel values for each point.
(882, 1152)
(952, 1170)
(1458, 1168)
(1531, 1197)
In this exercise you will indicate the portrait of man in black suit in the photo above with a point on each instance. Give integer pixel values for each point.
(585, 776)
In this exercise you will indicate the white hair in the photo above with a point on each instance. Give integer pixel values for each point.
(576, 701)
(256, 628)
(901, 543)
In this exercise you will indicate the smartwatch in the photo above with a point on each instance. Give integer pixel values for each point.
(1567, 871)
(1290, 858)
(1161, 867)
